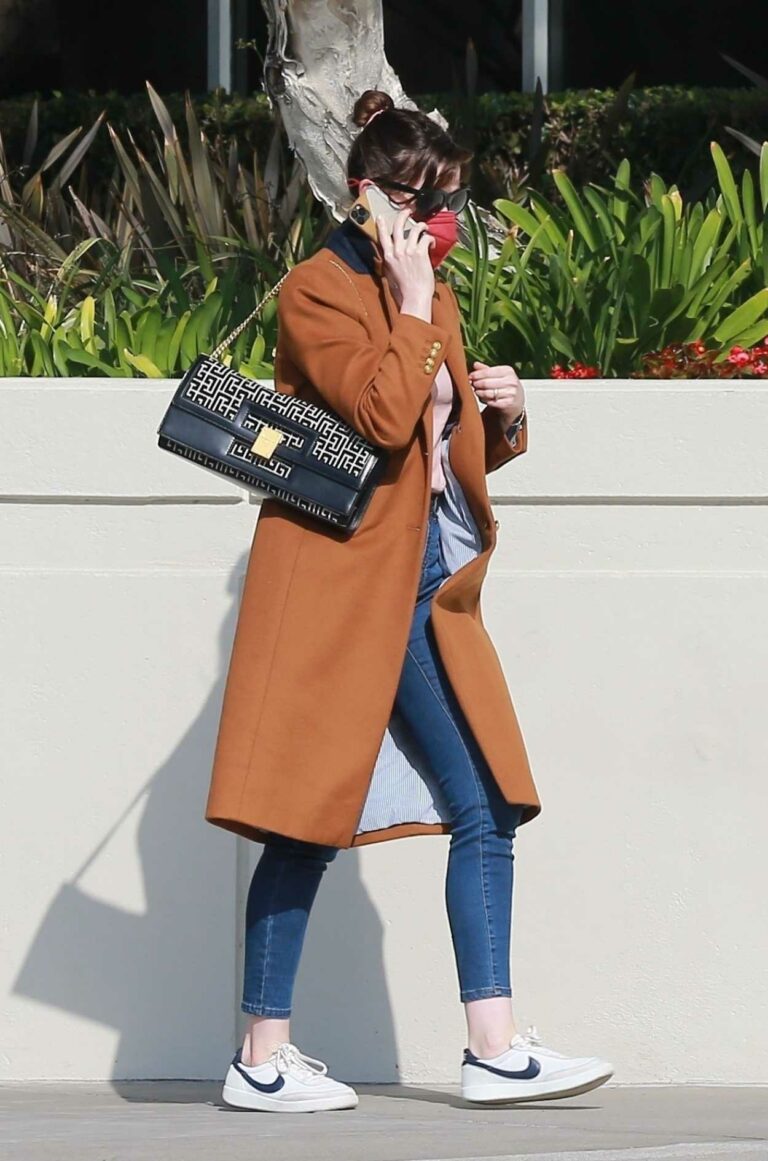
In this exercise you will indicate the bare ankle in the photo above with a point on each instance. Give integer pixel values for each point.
(490, 1025)
(487, 1048)
(262, 1037)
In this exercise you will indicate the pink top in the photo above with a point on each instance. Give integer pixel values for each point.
(442, 396)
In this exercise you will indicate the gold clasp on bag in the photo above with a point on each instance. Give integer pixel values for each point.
(266, 442)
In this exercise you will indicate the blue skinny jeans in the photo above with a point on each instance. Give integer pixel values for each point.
(479, 875)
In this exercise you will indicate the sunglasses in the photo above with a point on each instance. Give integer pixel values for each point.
(429, 201)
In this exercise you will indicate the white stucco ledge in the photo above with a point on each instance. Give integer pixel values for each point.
(587, 438)
(626, 600)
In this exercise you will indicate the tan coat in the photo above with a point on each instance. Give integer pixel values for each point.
(325, 615)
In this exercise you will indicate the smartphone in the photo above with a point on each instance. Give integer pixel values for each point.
(371, 203)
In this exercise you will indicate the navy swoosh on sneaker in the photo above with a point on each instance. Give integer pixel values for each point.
(532, 1070)
(273, 1086)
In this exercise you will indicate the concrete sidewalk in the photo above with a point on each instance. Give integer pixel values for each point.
(186, 1121)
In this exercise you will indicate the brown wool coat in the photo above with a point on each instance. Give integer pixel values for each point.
(325, 616)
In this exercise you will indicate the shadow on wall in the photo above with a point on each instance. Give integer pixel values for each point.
(156, 978)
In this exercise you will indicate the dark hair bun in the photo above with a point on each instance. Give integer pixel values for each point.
(370, 102)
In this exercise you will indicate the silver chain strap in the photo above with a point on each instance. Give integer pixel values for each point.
(225, 342)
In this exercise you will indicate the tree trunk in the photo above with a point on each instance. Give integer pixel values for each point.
(321, 56)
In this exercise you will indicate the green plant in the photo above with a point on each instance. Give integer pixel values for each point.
(135, 330)
(663, 129)
(178, 215)
(180, 253)
(611, 276)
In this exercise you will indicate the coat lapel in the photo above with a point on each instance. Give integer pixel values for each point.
(363, 256)
(455, 359)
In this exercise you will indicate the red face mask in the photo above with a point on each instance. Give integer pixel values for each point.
(444, 228)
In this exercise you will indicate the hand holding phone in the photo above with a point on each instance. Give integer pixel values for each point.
(405, 245)
(373, 203)
(407, 265)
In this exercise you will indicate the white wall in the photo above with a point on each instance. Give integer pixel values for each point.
(627, 600)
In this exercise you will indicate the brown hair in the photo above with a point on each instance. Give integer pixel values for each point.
(401, 144)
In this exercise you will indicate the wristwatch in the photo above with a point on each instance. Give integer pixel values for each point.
(514, 428)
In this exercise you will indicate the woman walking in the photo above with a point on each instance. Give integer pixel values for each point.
(364, 700)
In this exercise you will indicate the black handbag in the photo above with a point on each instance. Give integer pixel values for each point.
(274, 443)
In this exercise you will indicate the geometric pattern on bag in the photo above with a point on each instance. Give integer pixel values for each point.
(242, 451)
(223, 391)
(311, 507)
(338, 466)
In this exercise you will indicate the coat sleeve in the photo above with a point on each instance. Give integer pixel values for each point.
(498, 449)
(381, 394)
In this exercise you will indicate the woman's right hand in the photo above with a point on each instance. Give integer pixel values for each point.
(407, 264)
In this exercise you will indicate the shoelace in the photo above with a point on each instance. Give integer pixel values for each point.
(288, 1056)
(533, 1040)
(532, 1037)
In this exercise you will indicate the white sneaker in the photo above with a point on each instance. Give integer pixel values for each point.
(289, 1082)
(527, 1071)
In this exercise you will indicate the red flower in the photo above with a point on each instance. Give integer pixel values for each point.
(695, 361)
(576, 371)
